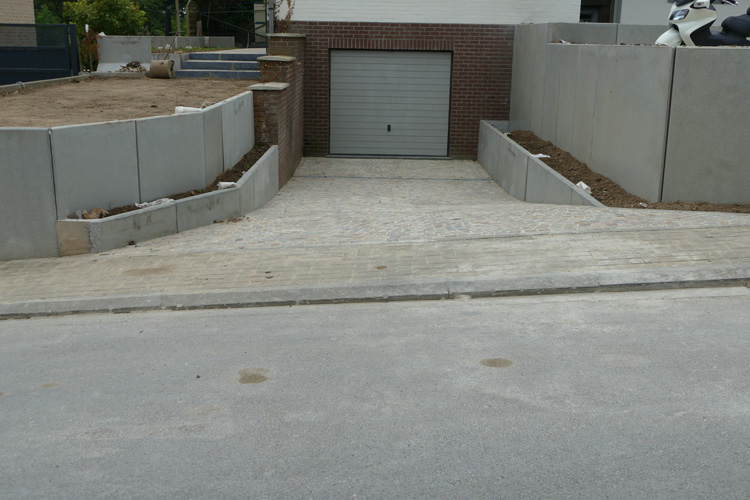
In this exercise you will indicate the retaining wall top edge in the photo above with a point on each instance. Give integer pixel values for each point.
(140, 211)
(11, 129)
(210, 194)
(81, 125)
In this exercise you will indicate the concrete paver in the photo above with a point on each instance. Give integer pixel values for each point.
(345, 229)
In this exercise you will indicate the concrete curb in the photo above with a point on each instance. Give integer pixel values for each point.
(392, 291)
(13, 87)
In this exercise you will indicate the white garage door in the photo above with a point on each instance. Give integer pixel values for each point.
(390, 103)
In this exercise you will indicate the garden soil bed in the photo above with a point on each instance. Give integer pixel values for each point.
(602, 188)
(232, 175)
(97, 99)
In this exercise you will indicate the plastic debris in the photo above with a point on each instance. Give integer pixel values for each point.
(185, 109)
(227, 185)
(160, 201)
(584, 186)
(540, 155)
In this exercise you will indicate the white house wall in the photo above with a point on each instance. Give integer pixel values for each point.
(437, 11)
(657, 11)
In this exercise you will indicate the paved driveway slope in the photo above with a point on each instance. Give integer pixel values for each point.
(365, 229)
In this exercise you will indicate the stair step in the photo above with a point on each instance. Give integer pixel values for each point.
(224, 56)
(216, 73)
(221, 65)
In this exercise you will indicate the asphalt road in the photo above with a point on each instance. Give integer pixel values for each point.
(630, 395)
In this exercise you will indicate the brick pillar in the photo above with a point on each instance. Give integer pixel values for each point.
(287, 44)
(278, 103)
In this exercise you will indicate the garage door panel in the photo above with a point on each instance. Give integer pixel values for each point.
(404, 96)
(392, 73)
(368, 135)
(409, 86)
(387, 150)
(386, 116)
(387, 55)
(370, 90)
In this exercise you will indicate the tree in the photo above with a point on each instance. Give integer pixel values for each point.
(113, 17)
(48, 11)
(155, 11)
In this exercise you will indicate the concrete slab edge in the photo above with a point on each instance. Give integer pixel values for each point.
(395, 291)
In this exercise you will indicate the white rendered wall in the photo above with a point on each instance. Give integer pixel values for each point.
(437, 11)
(657, 11)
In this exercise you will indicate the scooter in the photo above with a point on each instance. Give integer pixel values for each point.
(691, 25)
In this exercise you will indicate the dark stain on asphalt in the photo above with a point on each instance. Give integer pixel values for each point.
(253, 375)
(51, 384)
(496, 363)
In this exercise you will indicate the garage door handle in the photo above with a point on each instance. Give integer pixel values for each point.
(389, 128)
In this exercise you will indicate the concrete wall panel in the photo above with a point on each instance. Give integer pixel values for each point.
(630, 123)
(708, 149)
(523, 73)
(504, 161)
(208, 208)
(237, 128)
(213, 143)
(566, 98)
(539, 62)
(544, 185)
(634, 34)
(247, 193)
(95, 165)
(552, 71)
(117, 51)
(166, 168)
(146, 224)
(77, 237)
(515, 173)
(592, 33)
(266, 178)
(485, 149)
(27, 195)
(585, 101)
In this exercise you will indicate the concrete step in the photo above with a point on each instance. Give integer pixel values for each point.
(224, 56)
(216, 73)
(221, 65)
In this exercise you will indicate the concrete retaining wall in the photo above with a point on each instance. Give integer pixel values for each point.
(106, 165)
(252, 192)
(523, 176)
(117, 51)
(27, 195)
(614, 107)
(707, 148)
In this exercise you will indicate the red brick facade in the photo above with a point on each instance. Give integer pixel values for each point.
(279, 114)
(482, 65)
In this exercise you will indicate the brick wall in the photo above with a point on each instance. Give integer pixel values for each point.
(17, 11)
(279, 112)
(481, 81)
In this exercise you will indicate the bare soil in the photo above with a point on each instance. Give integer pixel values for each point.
(103, 99)
(602, 188)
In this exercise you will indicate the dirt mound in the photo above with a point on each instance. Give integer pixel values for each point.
(603, 188)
